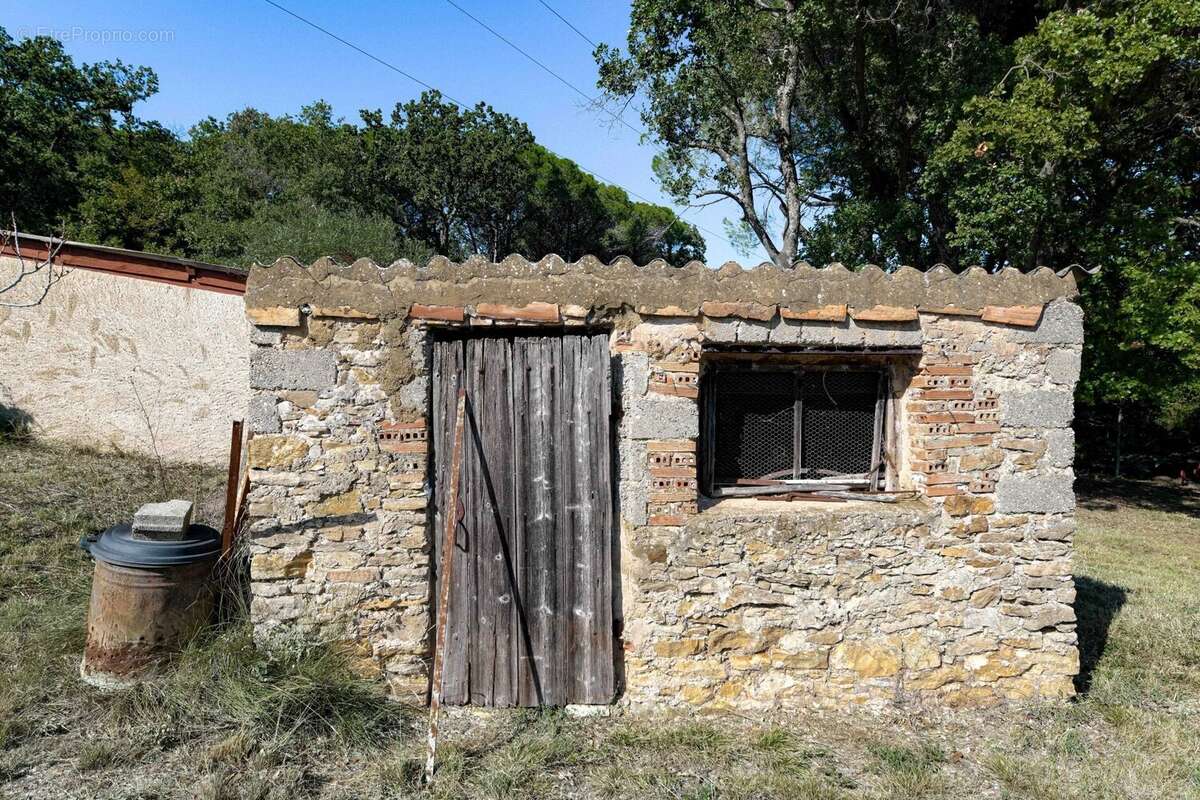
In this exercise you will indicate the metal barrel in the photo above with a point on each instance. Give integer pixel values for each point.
(148, 598)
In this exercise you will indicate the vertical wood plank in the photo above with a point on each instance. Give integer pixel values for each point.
(510, 469)
(523, 464)
(549, 567)
(449, 363)
(582, 509)
(481, 624)
(564, 388)
(584, 612)
(497, 438)
(558, 569)
(464, 565)
(603, 642)
(877, 433)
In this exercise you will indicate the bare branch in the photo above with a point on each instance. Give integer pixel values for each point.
(162, 473)
(30, 269)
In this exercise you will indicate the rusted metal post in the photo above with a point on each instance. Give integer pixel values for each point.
(231, 486)
(448, 544)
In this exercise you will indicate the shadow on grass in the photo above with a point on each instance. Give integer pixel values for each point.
(1106, 494)
(15, 422)
(1096, 606)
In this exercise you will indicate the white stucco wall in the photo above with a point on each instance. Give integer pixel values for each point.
(73, 363)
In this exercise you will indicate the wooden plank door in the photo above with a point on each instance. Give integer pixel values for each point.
(531, 610)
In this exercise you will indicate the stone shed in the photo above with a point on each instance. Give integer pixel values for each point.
(719, 488)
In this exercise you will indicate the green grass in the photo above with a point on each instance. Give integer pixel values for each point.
(1136, 731)
(234, 721)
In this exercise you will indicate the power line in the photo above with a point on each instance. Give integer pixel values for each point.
(594, 46)
(464, 106)
(358, 49)
(567, 22)
(594, 101)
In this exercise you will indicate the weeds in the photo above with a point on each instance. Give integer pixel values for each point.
(282, 696)
(96, 755)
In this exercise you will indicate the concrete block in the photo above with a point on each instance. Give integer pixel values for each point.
(1051, 494)
(169, 520)
(848, 333)
(265, 337)
(293, 369)
(786, 331)
(1060, 447)
(1061, 323)
(880, 334)
(262, 415)
(1042, 408)
(723, 331)
(666, 418)
(633, 491)
(1062, 366)
(908, 337)
(633, 373)
(818, 333)
(753, 332)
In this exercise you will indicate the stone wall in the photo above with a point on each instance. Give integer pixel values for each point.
(959, 595)
(81, 365)
(338, 467)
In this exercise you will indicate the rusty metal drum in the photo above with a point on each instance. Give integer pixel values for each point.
(148, 598)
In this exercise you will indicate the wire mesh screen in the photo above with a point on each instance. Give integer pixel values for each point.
(838, 436)
(754, 420)
(755, 415)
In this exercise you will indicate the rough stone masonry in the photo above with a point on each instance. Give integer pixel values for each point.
(959, 596)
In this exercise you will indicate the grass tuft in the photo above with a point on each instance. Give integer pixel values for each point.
(97, 755)
(222, 681)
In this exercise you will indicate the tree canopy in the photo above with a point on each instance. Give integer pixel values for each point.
(428, 178)
(57, 120)
(957, 132)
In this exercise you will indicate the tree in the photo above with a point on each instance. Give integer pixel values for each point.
(52, 115)
(457, 176)
(810, 116)
(645, 232)
(1089, 151)
(133, 190)
(572, 214)
(957, 132)
(252, 186)
(240, 167)
(566, 212)
(306, 231)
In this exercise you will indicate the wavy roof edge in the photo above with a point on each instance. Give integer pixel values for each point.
(651, 288)
(553, 260)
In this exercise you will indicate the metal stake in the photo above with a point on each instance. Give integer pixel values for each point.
(448, 545)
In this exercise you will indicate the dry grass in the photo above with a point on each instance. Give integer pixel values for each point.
(250, 713)
(231, 721)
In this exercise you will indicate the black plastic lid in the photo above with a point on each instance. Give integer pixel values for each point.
(117, 545)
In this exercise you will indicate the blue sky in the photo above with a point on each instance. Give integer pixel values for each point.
(212, 59)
